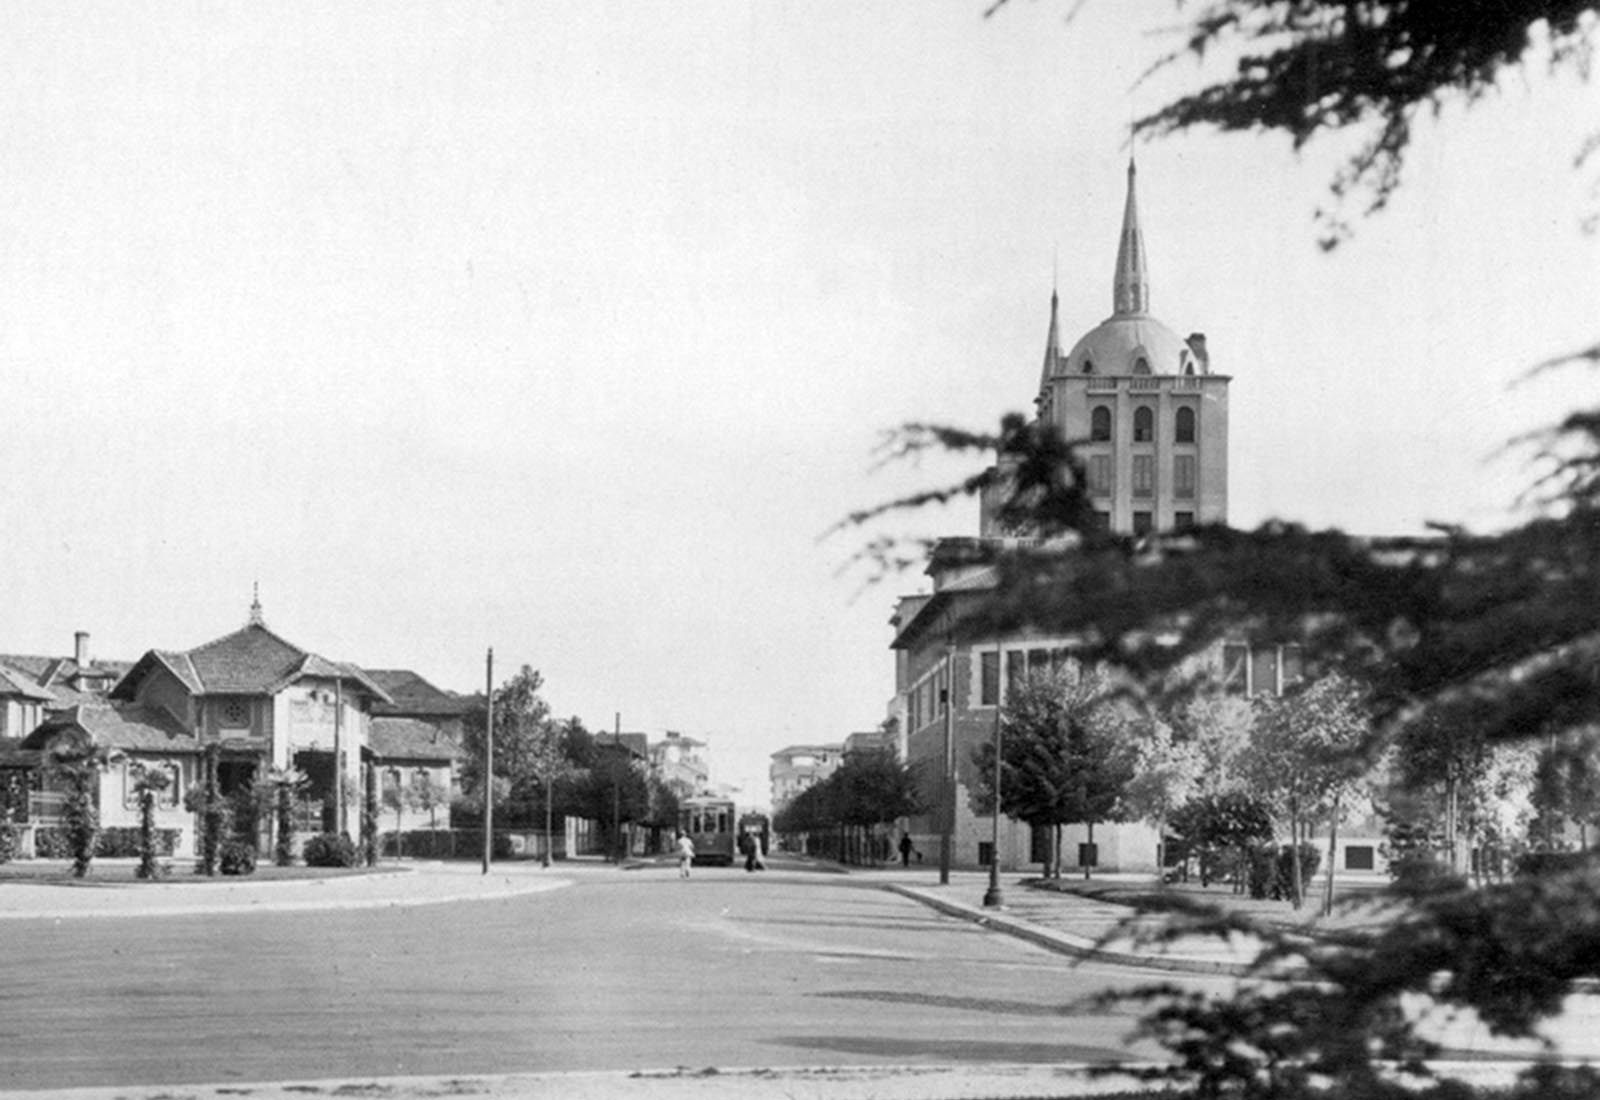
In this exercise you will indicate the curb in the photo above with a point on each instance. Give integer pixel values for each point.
(1065, 943)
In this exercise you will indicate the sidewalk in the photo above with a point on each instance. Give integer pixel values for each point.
(420, 883)
(1068, 923)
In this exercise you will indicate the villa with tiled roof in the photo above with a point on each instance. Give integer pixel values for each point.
(256, 699)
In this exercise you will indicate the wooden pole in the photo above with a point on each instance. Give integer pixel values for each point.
(488, 760)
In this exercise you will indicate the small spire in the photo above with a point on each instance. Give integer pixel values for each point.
(255, 605)
(1130, 290)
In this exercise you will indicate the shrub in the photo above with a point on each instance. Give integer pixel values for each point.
(329, 850)
(238, 857)
(8, 836)
(114, 842)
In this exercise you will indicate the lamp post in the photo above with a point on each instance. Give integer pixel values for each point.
(992, 898)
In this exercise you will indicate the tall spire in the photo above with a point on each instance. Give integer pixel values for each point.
(1052, 340)
(255, 605)
(1131, 289)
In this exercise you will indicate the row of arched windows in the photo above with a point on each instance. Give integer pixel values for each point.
(1144, 424)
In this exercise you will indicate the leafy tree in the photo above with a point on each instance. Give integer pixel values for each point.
(429, 793)
(1567, 784)
(1065, 756)
(1319, 66)
(521, 721)
(1216, 825)
(398, 795)
(79, 765)
(148, 783)
(1167, 772)
(870, 789)
(1306, 755)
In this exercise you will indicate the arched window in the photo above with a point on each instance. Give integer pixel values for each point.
(1144, 424)
(1141, 365)
(1088, 366)
(1183, 425)
(1100, 424)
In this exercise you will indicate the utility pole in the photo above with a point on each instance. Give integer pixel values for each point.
(947, 792)
(992, 898)
(488, 760)
(616, 788)
(338, 757)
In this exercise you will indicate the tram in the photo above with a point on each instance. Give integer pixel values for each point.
(758, 827)
(710, 823)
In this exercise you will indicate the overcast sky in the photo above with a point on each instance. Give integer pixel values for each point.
(567, 328)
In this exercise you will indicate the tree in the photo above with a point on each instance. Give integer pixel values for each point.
(1167, 772)
(521, 719)
(148, 783)
(398, 795)
(278, 789)
(1306, 753)
(212, 812)
(870, 789)
(1567, 784)
(79, 764)
(1213, 825)
(1065, 757)
(1318, 66)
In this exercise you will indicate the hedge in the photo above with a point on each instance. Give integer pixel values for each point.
(113, 842)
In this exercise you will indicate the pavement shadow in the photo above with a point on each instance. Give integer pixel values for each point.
(947, 1049)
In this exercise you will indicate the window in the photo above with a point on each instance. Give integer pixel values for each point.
(1142, 524)
(1144, 424)
(1182, 521)
(1100, 475)
(1141, 365)
(1183, 425)
(1264, 670)
(1144, 475)
(236, 714)
(1100, 424)
(1088, 855)
(1088, 366)
(1183, 476)
(989, 679)
(1358, 857)
(985, 853)
(1102, 521)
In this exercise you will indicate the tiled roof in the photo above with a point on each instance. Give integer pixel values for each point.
(638, 744)
(410, 739)
(247, 662)
(126, 726)
(414, 695)
(15, 682)
(250, 661)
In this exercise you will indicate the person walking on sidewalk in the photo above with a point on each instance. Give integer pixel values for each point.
(685, 854)
(905, 849)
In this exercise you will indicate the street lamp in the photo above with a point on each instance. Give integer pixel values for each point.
(992, 898)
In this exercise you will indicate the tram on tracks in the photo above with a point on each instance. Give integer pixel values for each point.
(711, 824)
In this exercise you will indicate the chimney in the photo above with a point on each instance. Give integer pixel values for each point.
(80, 648)
(1197, 344)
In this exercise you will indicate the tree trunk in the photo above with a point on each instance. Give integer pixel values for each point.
(1294, 854)
(1089, 856)
(1055, 852)
(1333, 848)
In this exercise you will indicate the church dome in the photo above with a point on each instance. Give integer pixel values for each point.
(1130, 344)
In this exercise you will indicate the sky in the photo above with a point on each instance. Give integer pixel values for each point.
(570, 329)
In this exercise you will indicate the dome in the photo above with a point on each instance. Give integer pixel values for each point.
(1129, 344)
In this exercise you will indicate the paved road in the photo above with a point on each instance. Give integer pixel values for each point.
(622, 971)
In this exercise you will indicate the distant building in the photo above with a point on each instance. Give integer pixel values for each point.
(66, 680)
(681, 764)
(877, 740)
(797, 767)
(1153, 420)
(416, 747)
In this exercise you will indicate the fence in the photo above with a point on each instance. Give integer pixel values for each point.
(468, 844)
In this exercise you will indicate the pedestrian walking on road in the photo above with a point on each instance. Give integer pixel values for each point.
(747, 848)
(685, 854)
(905, 849)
